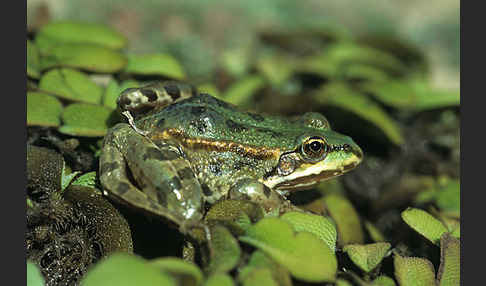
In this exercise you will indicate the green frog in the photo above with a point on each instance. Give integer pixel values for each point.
(181, 149)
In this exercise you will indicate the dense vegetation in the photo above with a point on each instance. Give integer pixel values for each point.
(392, 221)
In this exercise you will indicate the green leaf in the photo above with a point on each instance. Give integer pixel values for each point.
(87, 120)
(322, 227)
(449, 197)
(411, 94)
(383, 281)
(374, 232)
(67, 176)
(346, 219)
(43, 110)
(413, 271)
(456, 232)
(71, 84)
(89, 57)
(259, 276)
(224, 250)
(342, 282)
(367, 73)
(87, 180)
(123, 269)
(367, 256)
(259, 260)
(334, 61)
(276, 69)
(187, 273)
(77, 32)
(305, 256)
(113, 91)
(34, 276)
(450, 261)
(33, 60)
(219, 280)
(342, 96)
(429, 97)
(236, 61)
(155, 64)
(243, 90)
(399, 94)
(424, 223)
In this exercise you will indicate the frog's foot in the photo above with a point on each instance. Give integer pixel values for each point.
(250, 189)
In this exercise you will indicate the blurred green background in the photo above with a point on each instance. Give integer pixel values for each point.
(197, 31)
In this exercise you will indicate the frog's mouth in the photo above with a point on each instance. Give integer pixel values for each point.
(307, 175)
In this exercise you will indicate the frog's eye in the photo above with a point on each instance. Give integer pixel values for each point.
(314, 149)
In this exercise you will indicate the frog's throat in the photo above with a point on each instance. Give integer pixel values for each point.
(260, 153)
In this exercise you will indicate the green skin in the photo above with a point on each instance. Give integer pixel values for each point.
(181, 149)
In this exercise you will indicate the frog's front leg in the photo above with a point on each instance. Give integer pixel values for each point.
(255, 191)
(154, 178)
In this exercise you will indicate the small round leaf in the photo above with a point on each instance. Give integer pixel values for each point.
(77, 32)
(367, 256)
(305, 256)
(322, 227)
(346, 218)
(71, 84)
(81, 119)
(123, 269)
(88, 57)
(43, 110)
(425, 224)
(413, 271)
(155, 64)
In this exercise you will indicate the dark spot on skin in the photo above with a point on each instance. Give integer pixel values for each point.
(124, 102)
(266, 191)
(161, 122)
(213, 101)
(215, 169)
(206, 191)
(185, 173)
(199, 124)
(162, 196)
(161, 155)
(173, 90)
(149, 93)
(122, 188)
(141, 109)
(198, 110)
(256, 117)
(235, 127)
(269, 132)
(108, 167)
(153, 153)
(169, 155)
(237, 166)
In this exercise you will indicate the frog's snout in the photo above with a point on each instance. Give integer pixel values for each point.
(357, 152)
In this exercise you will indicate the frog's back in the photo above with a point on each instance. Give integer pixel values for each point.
(206, 117)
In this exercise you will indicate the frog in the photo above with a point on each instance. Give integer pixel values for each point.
(179, 151)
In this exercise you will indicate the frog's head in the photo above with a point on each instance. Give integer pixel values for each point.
(318, 153)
